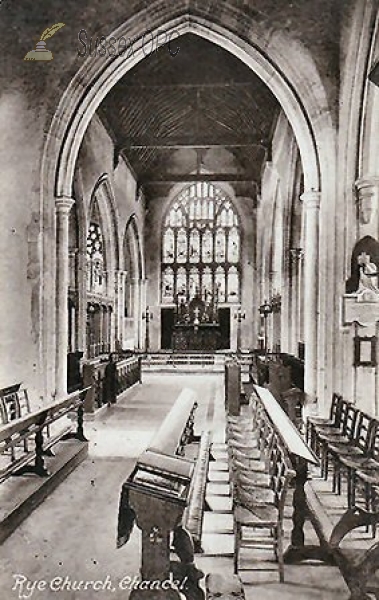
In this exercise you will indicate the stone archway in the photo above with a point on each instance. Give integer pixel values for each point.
(133, 285)
(296, 85)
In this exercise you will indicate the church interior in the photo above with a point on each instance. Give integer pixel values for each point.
(189, 379)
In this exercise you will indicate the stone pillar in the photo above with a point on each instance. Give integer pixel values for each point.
(82, 300)
(311, 202)
(120, 305)
(296, 255)
(118, 284)
(111, 328)
(62, 206)
(136, 309)
(143, 305)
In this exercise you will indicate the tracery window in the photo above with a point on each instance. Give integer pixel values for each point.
(201, 246)
(99, 305)
(95, 260)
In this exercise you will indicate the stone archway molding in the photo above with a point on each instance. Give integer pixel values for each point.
(283, 64)
(275, 64)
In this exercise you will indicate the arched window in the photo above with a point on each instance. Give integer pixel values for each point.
(201, 246)
(99, 304)
(95, 255)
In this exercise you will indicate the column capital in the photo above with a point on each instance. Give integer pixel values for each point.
(367, 192)
(366, 184)
(64, 204)
(311, 199)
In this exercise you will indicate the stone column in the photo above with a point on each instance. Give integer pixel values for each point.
(311, 202)
(135, 301)
(118, 307)
(62, 206)
(143, 305)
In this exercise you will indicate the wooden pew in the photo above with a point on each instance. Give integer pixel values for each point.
(177, 429)
(156, 495)
(357, 566)
(301, 456)
(194, 513)
(14, 403)
(35, 425)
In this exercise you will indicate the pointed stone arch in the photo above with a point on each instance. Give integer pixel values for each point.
(284, 64)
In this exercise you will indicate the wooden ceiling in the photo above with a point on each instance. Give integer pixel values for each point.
(199, 114)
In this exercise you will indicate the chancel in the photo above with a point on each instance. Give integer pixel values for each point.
(189, 258)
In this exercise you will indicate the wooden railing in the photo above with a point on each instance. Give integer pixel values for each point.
(105, 390)
(128, 373)
(15, 435)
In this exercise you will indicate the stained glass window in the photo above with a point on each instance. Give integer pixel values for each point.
(169, 246)
(220, 284)
(201, 246)
(207, 246)
(233, 284)
(194, 248)
(168, 285)
(220, 245)
(95, 259)
(181, 246)
(207, 283)
(233, 245)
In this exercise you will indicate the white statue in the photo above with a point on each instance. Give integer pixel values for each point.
(368, 274)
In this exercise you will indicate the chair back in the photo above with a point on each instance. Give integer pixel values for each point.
(364, 432)
(350, 421)
(335, 408)
(374, 442)
(281, 474)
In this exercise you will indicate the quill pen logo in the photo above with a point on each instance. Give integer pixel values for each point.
(41, 52)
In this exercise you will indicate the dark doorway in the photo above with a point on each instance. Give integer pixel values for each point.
(224, 320)
(167, 325)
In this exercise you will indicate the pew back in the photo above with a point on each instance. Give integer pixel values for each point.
(176, 428)
(14, 403)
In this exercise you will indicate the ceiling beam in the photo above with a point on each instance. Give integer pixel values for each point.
(139, 143)
(191, 177)
(198, 86)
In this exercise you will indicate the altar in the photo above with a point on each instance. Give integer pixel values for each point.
(204, 337)
(196, 327)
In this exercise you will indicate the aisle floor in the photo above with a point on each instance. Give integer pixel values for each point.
(71, 537)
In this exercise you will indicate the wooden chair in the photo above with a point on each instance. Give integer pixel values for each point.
(346, 430)
(347, 457)
(318, 423)
(252, 514)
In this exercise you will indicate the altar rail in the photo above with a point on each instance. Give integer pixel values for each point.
(15, 435)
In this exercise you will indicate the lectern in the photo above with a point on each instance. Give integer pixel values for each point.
(158, 489)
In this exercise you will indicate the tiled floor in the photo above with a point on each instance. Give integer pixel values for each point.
(73, 533)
